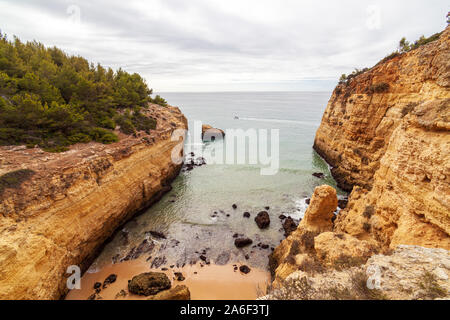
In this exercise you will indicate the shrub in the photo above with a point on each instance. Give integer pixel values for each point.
(159, 100)
(379, 87)
(14, 179)
(53, 100)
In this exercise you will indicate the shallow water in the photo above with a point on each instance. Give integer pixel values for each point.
(186, 214)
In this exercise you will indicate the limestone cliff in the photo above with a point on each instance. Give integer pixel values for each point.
(59, 209)
(363, 113)
(387, 131)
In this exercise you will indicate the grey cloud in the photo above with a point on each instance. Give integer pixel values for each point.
(178, 44)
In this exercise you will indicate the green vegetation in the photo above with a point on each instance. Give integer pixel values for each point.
(404, 46)
(53, 100)
(13, 180)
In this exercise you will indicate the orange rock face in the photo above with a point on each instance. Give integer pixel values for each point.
(362, 114)
(72, 202)
(388, 132)
(321, 210)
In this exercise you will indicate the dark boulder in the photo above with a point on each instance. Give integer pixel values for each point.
(342, 204)
(319, 175)
(263, 220)
(289, 226)
(150, 283)
(158, 235)
(234, 206)
(247, 215)
(110, 279)
(244, 269)
(223, 258)
(179, 276)
(242, 242)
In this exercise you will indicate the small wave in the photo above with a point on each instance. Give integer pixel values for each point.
(301, 206)
(279, 121)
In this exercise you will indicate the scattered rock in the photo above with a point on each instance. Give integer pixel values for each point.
(121, 294)
(149, 283)
(110, 279)
(263, 220)
(319, 175)
(158, 262)
(289, 226)
(234, 206)
(179, 276)
(244, 269)
(267, 208)
(247, 215)
(203, 258)
(97, 285)
(145, 247)
(321, 210)
(308, 201)
(177, 293)
(243, 242)
(265, 246)
(92, 297)
(282, 217)
(158, 235)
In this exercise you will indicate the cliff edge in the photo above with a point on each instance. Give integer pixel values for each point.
(386, 131)
(57, 210)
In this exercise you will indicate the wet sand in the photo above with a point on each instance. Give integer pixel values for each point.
(210, 282)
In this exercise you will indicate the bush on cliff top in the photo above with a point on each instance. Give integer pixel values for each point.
(53, 100)
(404, 46)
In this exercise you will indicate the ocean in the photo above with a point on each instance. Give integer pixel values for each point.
(197, 215)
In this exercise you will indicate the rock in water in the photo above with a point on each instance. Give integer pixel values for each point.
(319, 175)
(158, 235)
(150, 283)
(263, 220)
(242, 242)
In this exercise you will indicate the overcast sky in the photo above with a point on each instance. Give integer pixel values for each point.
(227, 45)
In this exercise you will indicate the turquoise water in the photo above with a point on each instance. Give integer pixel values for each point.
(186, 214)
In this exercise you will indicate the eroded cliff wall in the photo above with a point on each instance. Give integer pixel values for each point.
(71, 203)
(387, 132)
(363, 113)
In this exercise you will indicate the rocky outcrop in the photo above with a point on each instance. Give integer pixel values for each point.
(320, 212)
(363, 114)
(392, 143)
(210, 133)
(409, 273)
(150, 283)
(72, 203)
